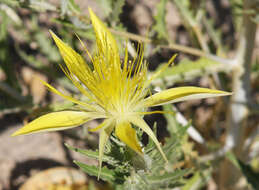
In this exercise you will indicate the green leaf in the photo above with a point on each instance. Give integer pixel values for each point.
(63, 7)
(198, 180)
(6, 58)
(215, 34)
(167, 177)
(117, 10)
(256, 19)
(68, 6)
(93, 154)
(41, 6)
(251, 176)
(11, 13)
(160, 21)
(73, 6)
(46, 46)
(187, 13)
(187, 65)
(188, 69)
(106, 174)
(13, 3)
(106, 6)
(173, 125)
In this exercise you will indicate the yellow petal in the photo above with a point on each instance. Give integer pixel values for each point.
(181, 94)
(105, 40)
(139, 122)
(56, 121)
(103, 125)
(127, 134)
(74, 62)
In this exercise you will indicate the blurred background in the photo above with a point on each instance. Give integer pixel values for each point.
(217, 45)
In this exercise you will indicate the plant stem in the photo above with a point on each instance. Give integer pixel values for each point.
(241, 81)
(172, 46)
(240, 98)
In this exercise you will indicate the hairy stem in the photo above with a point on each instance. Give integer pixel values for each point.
(172, 46)
(241, 81)
(240, 99)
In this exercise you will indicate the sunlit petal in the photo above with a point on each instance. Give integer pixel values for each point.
(106, 41)
(103, 125)
(114, 90)
(181, 94)
(74, 62)
(139, 122)
(127, 134)
(57, 121)
(68, 54)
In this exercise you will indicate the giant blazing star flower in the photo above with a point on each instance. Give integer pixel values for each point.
(116, 91)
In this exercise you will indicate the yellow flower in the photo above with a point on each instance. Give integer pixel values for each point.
(116, 91)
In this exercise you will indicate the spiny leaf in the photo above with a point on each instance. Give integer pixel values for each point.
(251, 176)
(215, 34)
(106, 174)
(73, 6)
(198, 180)
(173, 125)
(93, 154)
(68, 6)
(187, 65)
(63, 7)
(41, 6)
(46, 46)
(188, 69)
(106, 6)
(160, 22)
(167, 177)
(187, 14)
(117, 10)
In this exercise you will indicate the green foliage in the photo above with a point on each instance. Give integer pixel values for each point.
(117, 10)
(24, 41)
(187, 65)
(94, 155)
(250, 175)
(215, 35)
(187, 69)
(106, 174)
(106, 6)
(46, 47)
(186, 9)
(198, 180)
(10, 86)
(160, 21)
(126, 170)
(112, 9)
(237, 8)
